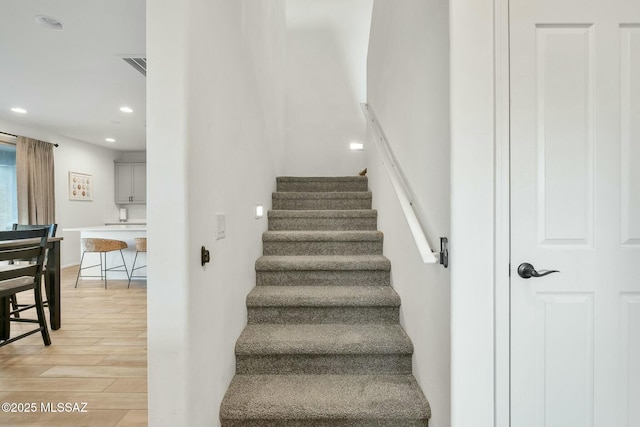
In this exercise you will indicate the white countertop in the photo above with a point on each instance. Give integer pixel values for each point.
(119, 227)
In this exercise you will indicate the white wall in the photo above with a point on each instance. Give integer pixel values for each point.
(168, 268)
(326, 82)
(132, 156)
(76, 156)
(215, 131)
(86, 158)
(407, 80)
(472, 212)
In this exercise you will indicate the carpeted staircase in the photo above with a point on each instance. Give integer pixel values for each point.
(323, 346)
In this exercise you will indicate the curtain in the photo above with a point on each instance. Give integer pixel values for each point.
(8, 186)
(36, 186)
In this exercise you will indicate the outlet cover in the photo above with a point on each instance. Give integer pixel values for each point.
(220, 226)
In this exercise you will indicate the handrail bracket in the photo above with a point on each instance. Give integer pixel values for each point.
(444, 252)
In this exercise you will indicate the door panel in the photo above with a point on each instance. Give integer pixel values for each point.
(564, 335)
(565, 130)
(630, 358)
(630, 126)
(575, 207)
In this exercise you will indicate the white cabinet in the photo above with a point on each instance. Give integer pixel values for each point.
(131, 183)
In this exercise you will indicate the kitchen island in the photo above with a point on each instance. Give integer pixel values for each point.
(125, 232)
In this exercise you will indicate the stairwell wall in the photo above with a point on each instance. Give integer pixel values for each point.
(408, 91)
(326, 82)
(215, 145)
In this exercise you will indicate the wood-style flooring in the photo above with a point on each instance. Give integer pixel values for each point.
(98, 358)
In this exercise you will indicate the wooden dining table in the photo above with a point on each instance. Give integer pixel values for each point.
(52, 289)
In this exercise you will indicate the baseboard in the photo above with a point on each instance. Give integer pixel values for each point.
(70, 265)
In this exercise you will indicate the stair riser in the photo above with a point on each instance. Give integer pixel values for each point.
(323, 278)
(324, 364)
(323, 315)
(322, 186)
(324, 423)
(322, 224)
(323, 248)
(321, 204)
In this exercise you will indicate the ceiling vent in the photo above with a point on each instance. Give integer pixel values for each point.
(139, 64)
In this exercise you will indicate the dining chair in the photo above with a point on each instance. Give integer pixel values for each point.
(20, 277)
(51, 233)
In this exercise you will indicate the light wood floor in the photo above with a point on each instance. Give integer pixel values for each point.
(97, 357)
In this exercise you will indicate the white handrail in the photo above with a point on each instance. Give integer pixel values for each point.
(401, 187)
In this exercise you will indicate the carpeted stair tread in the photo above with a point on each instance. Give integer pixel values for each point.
(323, 219)
(289, 195)
(323, 305)
(321, 179)
(333, 200)
(322, 236)
(328, 213)
(322, 243)
(324, 400)
(323, 263)
(323, 339)
(340, 183)
(323, 296)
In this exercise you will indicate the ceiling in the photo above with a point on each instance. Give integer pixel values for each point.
(73, 81)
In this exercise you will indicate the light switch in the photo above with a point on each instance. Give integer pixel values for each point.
(220, 226)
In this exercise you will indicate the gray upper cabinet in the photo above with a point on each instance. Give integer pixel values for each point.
(131, 183)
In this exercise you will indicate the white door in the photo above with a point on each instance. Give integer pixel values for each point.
(575, 207)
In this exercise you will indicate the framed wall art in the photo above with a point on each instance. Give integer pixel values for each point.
(80, 186)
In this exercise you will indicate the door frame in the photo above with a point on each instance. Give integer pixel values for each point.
(480, 249)
(502, 209)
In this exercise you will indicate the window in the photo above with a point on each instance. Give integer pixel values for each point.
(8, 186)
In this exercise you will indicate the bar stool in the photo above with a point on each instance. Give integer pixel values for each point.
(141, 246)
(102, 246)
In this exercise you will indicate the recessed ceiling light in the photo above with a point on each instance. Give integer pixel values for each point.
(110, 140)
(126, 110)
(49, 22)
(19, 110)
(356, 146)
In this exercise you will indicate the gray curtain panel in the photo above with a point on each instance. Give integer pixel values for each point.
(36, 186)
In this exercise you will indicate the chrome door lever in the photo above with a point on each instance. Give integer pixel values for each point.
(527, 271)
